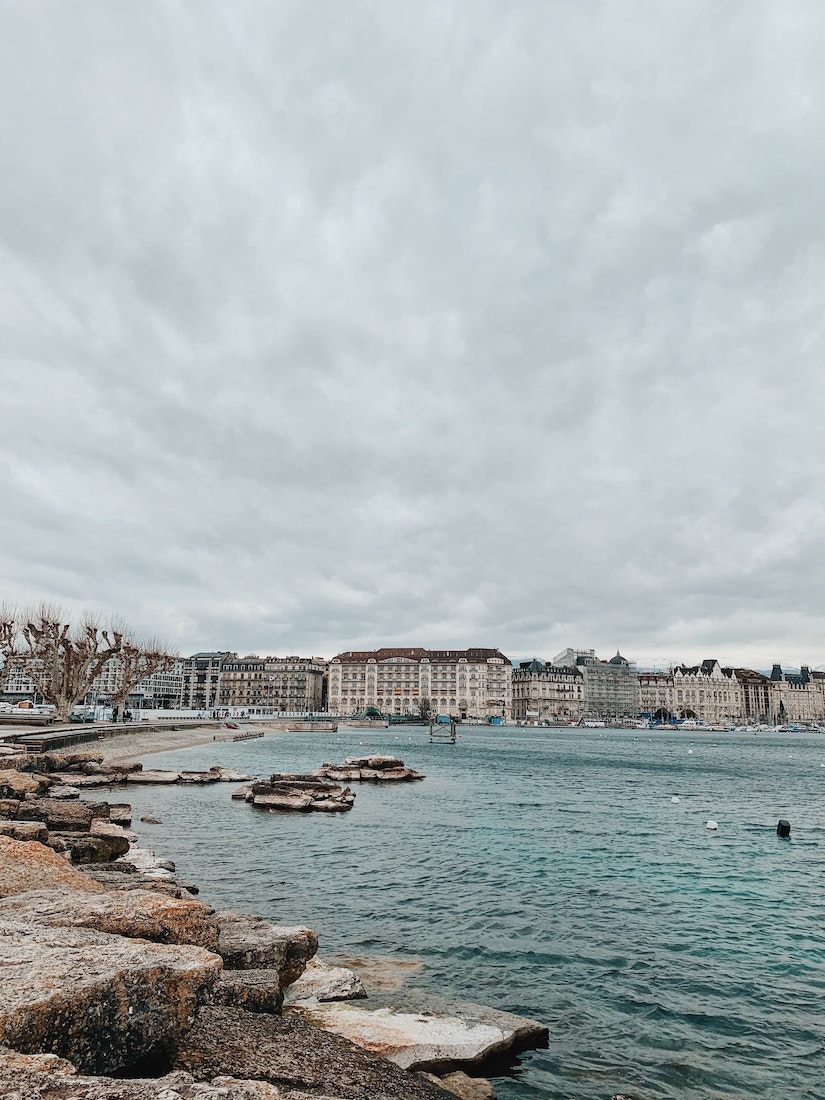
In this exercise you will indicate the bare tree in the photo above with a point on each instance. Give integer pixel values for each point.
(137, 660)
(63, 658)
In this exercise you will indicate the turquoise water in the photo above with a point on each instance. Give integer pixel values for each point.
(548, 873)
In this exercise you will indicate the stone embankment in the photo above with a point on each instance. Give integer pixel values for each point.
(118, 984)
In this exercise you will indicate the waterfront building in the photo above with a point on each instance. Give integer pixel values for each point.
(544, 691)
(16, 684)
(275, 684)
(201, 680)
(795, 697)
(610, 688)
(755, 696)
(465, 683)
(707, 692)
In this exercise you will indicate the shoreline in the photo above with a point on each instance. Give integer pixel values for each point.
(128, 747)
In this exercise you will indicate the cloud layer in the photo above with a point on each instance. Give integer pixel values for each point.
(460, 323)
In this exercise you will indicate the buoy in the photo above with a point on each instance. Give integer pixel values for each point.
(690, 752)
(675, 799)
(712, 825)
(783, 828)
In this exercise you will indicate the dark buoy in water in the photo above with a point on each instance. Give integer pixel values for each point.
(783, 828)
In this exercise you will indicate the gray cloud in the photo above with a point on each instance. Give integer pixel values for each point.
(467, 323)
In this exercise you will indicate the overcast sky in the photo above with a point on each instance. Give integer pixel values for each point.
(333, 325)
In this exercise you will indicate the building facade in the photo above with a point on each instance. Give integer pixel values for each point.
(706, 692)
(610, 688)
(464, 683)
(201, 680)
(795, 696)
(547, 692)
(276, 684)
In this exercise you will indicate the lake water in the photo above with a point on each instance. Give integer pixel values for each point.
(548, 872)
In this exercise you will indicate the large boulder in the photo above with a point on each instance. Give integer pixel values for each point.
(293, 1056)
(466, 1038)
(25, 830)
(103, 1002)
(154, 917)
(247, 942)
(89, 847)
(31, 866)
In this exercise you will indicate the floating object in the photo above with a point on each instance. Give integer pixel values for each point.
(690, 752)
(675, 799)
(712, 825)
(783, 828)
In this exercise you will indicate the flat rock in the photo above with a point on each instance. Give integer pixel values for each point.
(293, 1055)
(25, 830)
(32, 866)
(63, 816)
(376, 762)
(253, 990)
(103, 1002)
(323, 982)
(120, 813)
(277, 800)
(61, 791)
(242, 794)
(467, 1038)
(112, 879)
(247, 942)
(9, 808)
(229, 775)
(153, 776)
(198, 777)
(148, 916)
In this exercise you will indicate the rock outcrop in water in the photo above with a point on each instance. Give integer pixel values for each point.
(285, 792)
(369, 769)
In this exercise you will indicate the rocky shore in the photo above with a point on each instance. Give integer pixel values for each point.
(118, 982)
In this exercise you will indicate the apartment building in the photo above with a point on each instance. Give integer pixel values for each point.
(201, 680)
(610, 688)
(276, 684)
(707, 691)
(795, 696)
(465, 683)
(544, 691)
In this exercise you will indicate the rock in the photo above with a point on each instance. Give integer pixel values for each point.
(62, 792)
(120, 813)
(30, 866)
(339, 774)
(242, 794)
(153, 776)
(322, 982)
(9, 808)
(376, 762)
(87, 847)
(25, 830)
(253, 990)
(36, 1076)
(115, 880)
(93, 767)
(278, 801)
(228, 775)
(84, 782)
(103, 1002)
(15, 784)
(146, 916)
(293, 1055)
(249, 942)
(62, 816)
(198, 777)
(468, 1088)
(148, 819)
(469, 1037)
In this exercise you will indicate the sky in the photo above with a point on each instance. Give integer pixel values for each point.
(464, 322)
